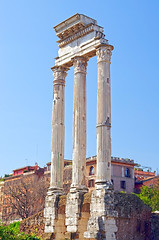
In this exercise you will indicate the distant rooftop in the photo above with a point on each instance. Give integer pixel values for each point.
(114, 159)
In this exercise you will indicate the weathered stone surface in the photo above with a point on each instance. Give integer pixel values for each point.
(103, 115)
(34, 224)
(57, 149)
(79, 125)
(155, 226)
(73, 210)
(79, 36)
(58, 128)
(134, 217)
(133, 221)
(50, 211)
(102, 224)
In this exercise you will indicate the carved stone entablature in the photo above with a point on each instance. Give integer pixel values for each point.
(60, 74)
(72, 25)
(104, 53)
(99, 35)
(70, 31)
(80, 64)
(76, 35)
(81, 33)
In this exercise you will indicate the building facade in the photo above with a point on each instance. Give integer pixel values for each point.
(122, 177)
(1, 198)
(122, 173)
(23, 195)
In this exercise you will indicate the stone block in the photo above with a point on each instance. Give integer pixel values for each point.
(71, 229)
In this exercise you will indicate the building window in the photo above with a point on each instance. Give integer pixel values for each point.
(91, 183)
(123, 184)
(91, 171)
(127, 172)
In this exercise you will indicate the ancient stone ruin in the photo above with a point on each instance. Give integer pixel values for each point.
(80, 38)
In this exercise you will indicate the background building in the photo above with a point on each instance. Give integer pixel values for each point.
(142, 178)
(36, 181)
(122, 173)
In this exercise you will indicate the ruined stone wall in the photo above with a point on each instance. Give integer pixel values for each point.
(34, 224)
(155, 226)
(133, 222)
(134, 217)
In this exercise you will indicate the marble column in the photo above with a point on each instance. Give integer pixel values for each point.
(78, 187)
(58, 129)
(102, 220)
(79, 125)
(103, 174)
(57, 149)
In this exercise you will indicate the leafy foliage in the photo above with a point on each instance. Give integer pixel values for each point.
(11, 232)
(150, 196)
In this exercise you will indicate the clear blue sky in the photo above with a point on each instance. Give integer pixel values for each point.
(27, 51)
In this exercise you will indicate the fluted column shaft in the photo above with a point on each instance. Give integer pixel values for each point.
(79, 124)
(103, 173)
(58, 128)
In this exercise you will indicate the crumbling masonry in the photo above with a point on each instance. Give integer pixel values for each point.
(80, 38)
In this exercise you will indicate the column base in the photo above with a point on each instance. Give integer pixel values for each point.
(102, 184)
(51, 208)
(82, 189)
(102, 224)
(73, 208)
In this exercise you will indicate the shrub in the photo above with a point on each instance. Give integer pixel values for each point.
(11, 232)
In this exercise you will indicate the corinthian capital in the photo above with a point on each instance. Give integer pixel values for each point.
(104, 53)
(59, 74)
(80, 64)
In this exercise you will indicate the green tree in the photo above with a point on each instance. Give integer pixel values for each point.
(150, 196)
